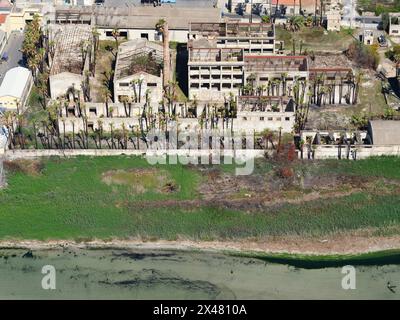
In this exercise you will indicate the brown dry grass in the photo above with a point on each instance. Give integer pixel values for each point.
(29, 167)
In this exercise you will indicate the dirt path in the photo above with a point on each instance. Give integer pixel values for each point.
(346, 243)
(247, 204)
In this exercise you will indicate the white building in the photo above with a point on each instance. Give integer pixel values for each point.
(138, 71)
(15, 88)
(139, 21)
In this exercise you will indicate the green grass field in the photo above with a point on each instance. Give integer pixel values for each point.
(315, 38)
(69, 200)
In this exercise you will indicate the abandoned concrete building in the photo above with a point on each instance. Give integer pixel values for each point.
(394, 24)
(223, 61)
(254, 114)
(367, 37)
(71, 59)
(138, 22)
(253, 38)
(384, 132)
(214, 73)
(138, 71)
(216, 63)
(274, 75)
(258, 113)
(334, 137)
(333, 15)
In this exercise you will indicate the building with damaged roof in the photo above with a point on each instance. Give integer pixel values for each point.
(138, 22)
(138, 71)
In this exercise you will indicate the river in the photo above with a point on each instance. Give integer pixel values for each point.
(166, 274)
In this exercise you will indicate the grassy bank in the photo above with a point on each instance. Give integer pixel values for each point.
(379, 258)
(85, 198)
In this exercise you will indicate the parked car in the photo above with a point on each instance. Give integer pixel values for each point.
(382, 41)
(4, 57)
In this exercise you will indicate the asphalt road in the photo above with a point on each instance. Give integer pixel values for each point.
(179, 3)
(13, 46)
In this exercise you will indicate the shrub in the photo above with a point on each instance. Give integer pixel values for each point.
(364, 56)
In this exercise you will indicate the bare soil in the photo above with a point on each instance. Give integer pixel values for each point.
(142, 180)
(253, 193)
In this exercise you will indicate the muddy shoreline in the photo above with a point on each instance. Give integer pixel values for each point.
(333, 245)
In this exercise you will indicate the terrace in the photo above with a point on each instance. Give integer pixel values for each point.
(276, 63)
(215, 55)
(233, 29)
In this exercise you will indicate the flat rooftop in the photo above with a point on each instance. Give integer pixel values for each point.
(276, 63)
(144, 17)
(233, 29)
(215, 55)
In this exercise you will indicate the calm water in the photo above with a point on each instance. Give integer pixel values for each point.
(145, 274)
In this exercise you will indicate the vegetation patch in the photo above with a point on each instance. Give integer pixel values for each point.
(142, 180)
(70, 200)
(28, 167)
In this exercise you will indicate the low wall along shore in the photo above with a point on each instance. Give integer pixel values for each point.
(318, 152)
(32, 153)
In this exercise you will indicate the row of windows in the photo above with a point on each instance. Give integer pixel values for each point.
(270, 119)
(217, 77)
(126, 84)
(230, 68)
(216, 86)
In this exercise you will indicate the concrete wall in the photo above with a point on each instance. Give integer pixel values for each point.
(60, 83)
(356, 151)
(124, 87)
(152, 34)
(24, 154)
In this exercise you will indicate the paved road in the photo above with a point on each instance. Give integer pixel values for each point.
(179, 3)
(12, 47)
(349, 12)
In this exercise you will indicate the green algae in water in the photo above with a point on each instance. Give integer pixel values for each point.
(168, 274)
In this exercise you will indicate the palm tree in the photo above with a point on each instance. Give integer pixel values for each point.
(133, 83)
(106, 96)
(162, 26)
(115, 34)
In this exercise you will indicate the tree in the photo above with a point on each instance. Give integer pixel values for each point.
(385, 21)
(32, 45)
(115, 34)
(162, 26)
(106, 96)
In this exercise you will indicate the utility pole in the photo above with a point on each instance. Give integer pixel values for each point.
(251, 11)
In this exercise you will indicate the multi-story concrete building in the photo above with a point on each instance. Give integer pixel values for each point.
(217, 51)
(214, 73)
(275, 74)
(253, 38)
